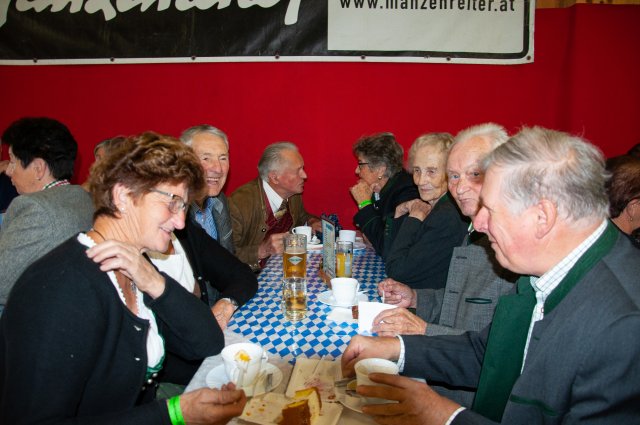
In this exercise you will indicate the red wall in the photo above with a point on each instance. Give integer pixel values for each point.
(584, 80)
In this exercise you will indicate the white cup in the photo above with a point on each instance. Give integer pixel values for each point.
(364, 367)
(238, 369)
(303, 230)
(344, 290)
(347, 236)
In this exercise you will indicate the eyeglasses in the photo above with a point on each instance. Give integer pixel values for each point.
(176, 204)
(360, 164)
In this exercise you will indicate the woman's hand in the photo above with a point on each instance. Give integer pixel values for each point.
(211, 406)
(120, 256)
(361, 191)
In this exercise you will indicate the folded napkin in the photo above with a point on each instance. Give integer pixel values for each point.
(367, 311)
(341, 315)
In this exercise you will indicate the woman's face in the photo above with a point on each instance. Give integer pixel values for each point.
(24, 179)
(429, 173)
(157, 214)
(369, 174)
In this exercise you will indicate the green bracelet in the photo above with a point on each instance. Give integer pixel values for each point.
(175, 413)
(364, 203)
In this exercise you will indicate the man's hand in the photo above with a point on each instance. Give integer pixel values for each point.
(397, 293)
(417, 403)
(363, 347)
(212, 407)
(361, 191)
(223, 310)
(398, 321)
(274, 244)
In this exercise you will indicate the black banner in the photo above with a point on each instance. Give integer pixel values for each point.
(103, 31)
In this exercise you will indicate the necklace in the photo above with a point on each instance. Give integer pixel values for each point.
(119, 275)
(100, 234)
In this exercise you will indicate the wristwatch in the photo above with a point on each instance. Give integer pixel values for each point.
(231, 301)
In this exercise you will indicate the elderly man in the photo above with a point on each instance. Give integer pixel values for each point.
(212, 213)
(475, 280)
(264, 209)
(558, 351)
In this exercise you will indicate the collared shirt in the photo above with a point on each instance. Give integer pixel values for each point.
(204, 217)
(275, 200)
(545, 284)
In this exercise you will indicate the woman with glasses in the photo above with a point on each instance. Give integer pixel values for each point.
(87, 326)
(382, 185)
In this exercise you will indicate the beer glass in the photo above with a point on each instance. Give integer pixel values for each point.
(294, 259)
(344, 258)
(294, 298)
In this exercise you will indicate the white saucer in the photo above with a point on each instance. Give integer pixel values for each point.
(326, 297)
(218, 377)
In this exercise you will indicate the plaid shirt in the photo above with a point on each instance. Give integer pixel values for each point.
(545, 284)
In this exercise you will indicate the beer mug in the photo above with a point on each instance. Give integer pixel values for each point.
(294, 259)
(344, 258)
(294, 298)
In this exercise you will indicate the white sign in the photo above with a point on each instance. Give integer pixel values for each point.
(450, 29)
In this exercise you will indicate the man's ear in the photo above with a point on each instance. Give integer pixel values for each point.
(273, 178)
(546, 216)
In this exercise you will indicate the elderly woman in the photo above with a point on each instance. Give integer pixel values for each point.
(430, 227)
(382, 186)
(42, 154)
(87, 326)
(623, 189)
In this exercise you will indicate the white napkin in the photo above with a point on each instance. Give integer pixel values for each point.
(341, 315)
(367, 311)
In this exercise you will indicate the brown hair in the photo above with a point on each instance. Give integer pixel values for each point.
(624, 184)
(140, 163)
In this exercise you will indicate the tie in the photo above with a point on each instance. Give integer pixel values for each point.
(283, 209)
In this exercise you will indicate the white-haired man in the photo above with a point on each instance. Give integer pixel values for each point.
(557, 351)
(267, 207)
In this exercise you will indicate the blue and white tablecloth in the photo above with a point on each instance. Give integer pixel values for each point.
(261, 319)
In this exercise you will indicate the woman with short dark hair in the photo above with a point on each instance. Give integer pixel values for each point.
(383, 184)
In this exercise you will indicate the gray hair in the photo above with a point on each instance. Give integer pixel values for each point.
(495, 134)
(188, 135)
(548, 164)
(440, 140)
(271, 160)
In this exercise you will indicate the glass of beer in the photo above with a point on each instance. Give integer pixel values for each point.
(344, 258)
(294, 259)
(294, 298)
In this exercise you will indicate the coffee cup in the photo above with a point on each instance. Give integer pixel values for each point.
(364, 367)
(347, 235)
(303, 230)
(344, 290)
(243, 362)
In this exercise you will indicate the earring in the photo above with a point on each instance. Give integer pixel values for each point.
(379, 177)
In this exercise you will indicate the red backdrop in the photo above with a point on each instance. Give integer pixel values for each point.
(584, 80)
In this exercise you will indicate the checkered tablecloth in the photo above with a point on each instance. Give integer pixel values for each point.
(261, 319)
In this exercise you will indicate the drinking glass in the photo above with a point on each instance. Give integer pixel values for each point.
(344, 258)
(294, 259)
(294, 298)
